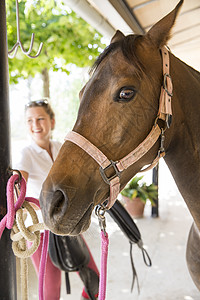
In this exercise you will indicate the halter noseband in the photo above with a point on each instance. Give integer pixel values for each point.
(164, 113)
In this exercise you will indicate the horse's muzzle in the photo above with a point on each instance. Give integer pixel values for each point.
(61, 213)
(53, 206)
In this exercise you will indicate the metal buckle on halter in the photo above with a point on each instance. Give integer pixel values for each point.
(168, 120)
(165, 84)
(162, 140)
(105, 177)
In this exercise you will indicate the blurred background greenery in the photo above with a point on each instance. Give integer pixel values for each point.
(70, 48)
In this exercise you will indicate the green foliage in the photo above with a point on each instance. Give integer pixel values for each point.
(141, 190)
(67, 38)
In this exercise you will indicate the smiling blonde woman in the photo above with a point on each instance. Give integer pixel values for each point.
(34, 163)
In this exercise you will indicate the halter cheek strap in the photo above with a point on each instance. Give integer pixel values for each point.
(164, 113)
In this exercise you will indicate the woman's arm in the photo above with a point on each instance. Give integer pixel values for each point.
(25, 175)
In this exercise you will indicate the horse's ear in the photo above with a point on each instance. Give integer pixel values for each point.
(118, 36)
(159, 34)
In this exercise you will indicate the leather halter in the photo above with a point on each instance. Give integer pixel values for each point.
(164, 113)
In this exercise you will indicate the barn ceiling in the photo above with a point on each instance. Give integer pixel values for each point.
(137, 16)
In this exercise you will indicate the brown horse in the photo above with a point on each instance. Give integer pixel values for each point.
(119, 106)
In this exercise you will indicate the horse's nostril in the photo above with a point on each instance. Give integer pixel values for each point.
(60, 205)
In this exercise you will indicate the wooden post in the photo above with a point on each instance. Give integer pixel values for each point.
(7, 259)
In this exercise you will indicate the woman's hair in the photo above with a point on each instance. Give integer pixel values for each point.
(41, 103)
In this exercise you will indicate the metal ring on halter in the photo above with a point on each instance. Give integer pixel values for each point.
(100, 210)
(162, 128)
(103, 174)
(100, 213)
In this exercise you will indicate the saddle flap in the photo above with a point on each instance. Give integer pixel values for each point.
(68, 253)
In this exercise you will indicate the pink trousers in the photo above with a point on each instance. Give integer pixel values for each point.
(52, 282)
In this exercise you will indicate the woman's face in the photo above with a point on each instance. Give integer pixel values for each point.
(39, 124)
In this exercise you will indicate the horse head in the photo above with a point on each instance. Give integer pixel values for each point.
(118, 107)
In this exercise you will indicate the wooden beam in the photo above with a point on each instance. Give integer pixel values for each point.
(123, 9)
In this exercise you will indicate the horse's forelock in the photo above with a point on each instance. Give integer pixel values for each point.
(106, 51)
(127, 46)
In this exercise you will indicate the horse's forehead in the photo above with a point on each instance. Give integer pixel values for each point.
(113, 69)
(115, 61)
(114, 65)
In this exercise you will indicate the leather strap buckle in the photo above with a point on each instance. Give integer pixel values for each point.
(165, 85)
(103, 174)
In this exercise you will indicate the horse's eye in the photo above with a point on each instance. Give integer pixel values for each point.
(125, 94)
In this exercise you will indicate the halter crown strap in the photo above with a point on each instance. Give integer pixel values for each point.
(166, 92)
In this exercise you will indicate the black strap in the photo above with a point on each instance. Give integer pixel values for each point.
(133, 270)
(125, 222)
(131, 231)
(129, 228)
(67, 283)
(146, 257)
(90, 280)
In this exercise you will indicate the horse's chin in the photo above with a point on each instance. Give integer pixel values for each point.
(64, 230)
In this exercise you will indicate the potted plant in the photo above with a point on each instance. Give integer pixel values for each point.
(135, 195)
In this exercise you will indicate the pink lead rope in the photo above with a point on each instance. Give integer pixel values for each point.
(8, 221)
(100, 211)
(103, 272)
(42, 267)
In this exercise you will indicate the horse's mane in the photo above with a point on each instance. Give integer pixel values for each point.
(127, 45)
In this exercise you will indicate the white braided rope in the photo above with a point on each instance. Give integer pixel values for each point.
(20, 235)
